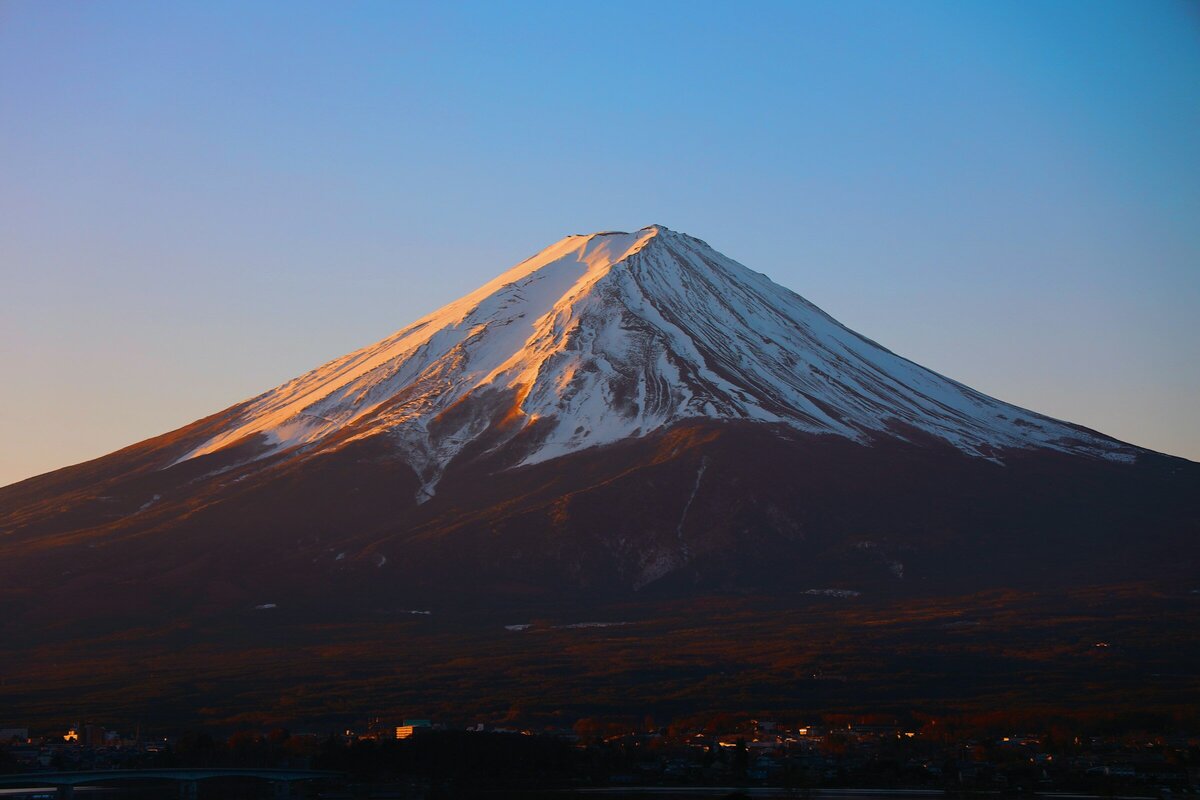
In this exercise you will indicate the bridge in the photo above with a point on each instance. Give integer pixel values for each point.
(64, 783)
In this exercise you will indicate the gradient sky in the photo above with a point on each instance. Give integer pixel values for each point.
(200, 200)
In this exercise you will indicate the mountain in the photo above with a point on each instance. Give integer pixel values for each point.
(614, 336)
(627, 418)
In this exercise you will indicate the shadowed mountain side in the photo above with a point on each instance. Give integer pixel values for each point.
(702, 507)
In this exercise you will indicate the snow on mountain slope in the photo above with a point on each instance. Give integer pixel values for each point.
(613, 335)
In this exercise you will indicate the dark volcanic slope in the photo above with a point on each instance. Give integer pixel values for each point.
(704, 506)
(979, 586)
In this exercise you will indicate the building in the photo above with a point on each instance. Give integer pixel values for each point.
(412, 727)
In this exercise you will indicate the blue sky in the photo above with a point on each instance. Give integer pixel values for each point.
(201, 200)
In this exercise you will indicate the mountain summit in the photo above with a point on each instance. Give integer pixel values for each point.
(609, 336)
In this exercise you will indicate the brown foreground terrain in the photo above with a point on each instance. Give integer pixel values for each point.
(1104, 650)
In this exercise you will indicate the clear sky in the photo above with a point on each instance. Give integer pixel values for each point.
(200, 200)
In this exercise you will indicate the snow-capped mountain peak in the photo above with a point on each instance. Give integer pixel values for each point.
(613, 335)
